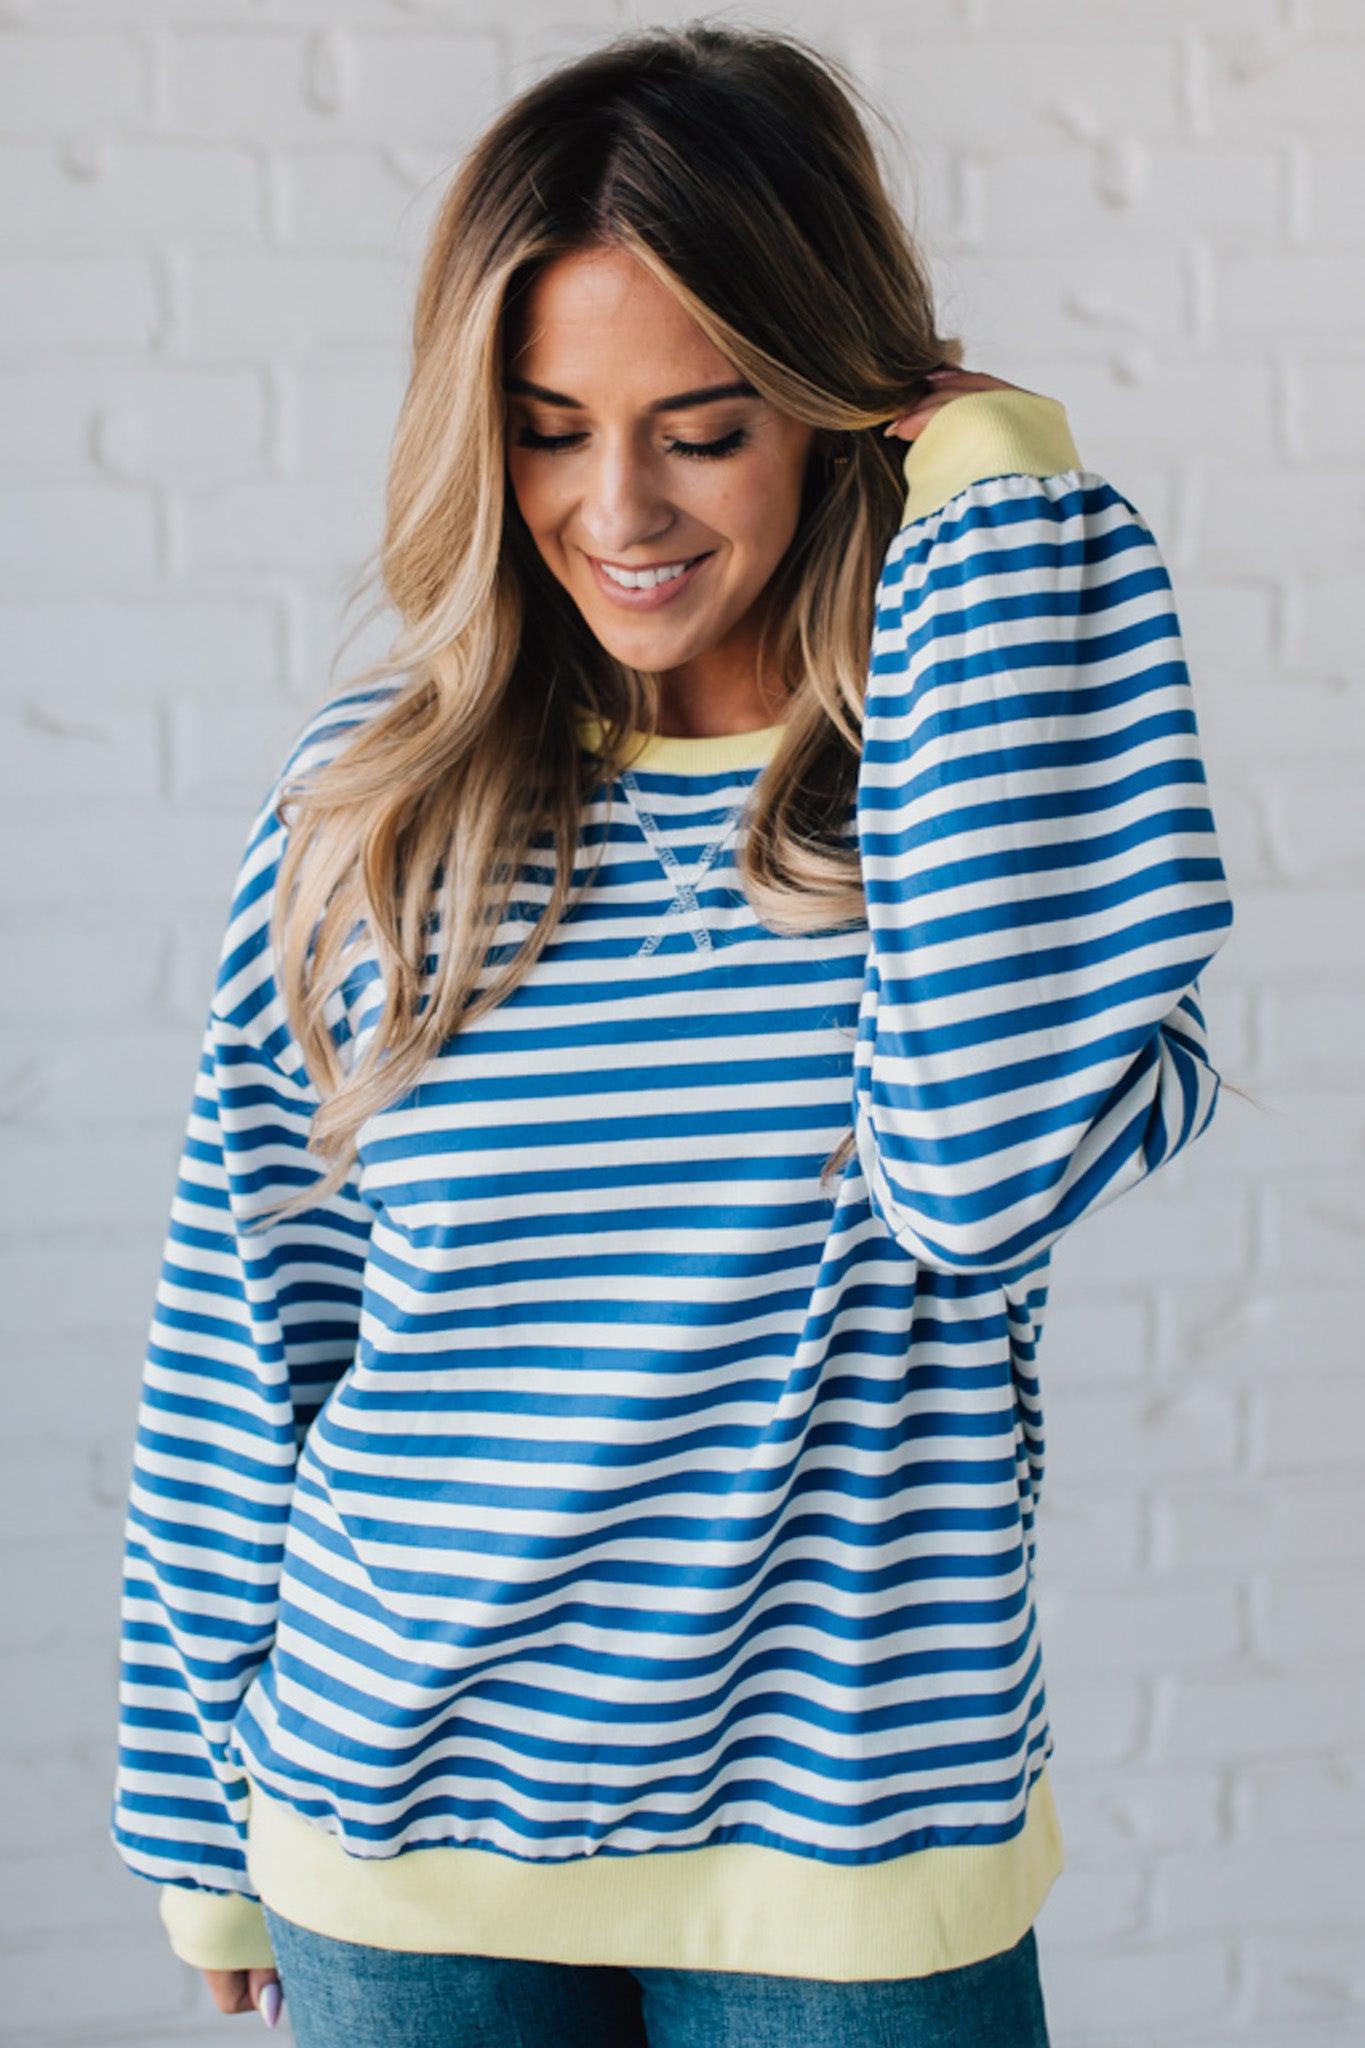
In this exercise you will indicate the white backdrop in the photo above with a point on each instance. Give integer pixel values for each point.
(210, 215)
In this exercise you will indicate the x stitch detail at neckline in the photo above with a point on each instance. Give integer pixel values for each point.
(684, 885)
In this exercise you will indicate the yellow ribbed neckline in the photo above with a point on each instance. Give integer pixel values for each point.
(689, 753)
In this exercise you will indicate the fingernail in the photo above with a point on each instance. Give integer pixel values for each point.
(270, 2004)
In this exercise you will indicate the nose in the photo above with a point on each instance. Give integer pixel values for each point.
(623, 505)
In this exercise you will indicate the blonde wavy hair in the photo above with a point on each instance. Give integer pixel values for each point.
(735, 166)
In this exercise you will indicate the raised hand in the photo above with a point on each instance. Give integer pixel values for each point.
(947, 383)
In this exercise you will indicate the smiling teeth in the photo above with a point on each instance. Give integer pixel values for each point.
(644, 579)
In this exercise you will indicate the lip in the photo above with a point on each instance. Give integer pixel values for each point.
(646, 600)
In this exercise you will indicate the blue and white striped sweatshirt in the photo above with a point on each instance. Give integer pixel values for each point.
(584, 1496)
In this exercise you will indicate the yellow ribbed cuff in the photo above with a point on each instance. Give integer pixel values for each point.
(984, 434)
(216, 1930)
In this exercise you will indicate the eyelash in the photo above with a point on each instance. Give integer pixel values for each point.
(708, 451)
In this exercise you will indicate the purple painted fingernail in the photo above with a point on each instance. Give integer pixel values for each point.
(270, 2000)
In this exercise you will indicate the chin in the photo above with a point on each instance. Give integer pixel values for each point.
(644, 645)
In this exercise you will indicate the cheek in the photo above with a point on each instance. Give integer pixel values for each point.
(759, 515)
(544, 508)
(528, 489)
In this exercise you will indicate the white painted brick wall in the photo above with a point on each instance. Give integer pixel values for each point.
(210, 216)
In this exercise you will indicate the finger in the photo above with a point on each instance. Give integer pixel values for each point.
(229, 1989)
(267, 1996)
(911, 423)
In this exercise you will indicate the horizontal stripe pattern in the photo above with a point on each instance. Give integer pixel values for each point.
(583, 1478)
(1044, 886)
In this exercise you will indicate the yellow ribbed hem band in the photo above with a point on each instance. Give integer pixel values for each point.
(984, 434)
(731, 1906)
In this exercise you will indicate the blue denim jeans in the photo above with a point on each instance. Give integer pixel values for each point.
(346, 1994)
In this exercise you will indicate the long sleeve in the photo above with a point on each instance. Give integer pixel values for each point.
(1043, 880)
(250, 1330)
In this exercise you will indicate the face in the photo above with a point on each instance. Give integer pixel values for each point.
(634, 445)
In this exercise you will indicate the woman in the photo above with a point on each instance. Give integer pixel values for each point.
(667, 1014)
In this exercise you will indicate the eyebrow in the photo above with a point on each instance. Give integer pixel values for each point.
(705, 394)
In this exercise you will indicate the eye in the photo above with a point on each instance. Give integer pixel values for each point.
(706, 451)
(709, 450)
(529, 438)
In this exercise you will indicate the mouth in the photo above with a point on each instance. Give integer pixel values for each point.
(649, 596)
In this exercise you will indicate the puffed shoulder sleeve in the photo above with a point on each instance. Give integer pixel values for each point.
(1042, 872)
